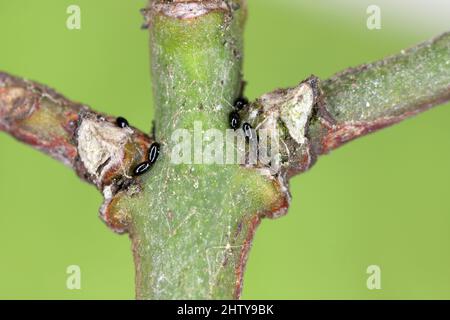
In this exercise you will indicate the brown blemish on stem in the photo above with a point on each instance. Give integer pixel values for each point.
(45, 120)
(253, 223)
(185, 9)
(277, 209)
(135, 244)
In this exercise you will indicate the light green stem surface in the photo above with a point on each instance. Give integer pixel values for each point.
(194, 223)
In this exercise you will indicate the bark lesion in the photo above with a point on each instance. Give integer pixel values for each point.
(91, 143)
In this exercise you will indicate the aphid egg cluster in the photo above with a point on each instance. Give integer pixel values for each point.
(152, 154)
(235, 119)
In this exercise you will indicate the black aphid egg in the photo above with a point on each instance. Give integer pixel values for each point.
(153, 152)
(141, 168)
(248, 130)
(122, 122)
(240, 103)
(234, 120)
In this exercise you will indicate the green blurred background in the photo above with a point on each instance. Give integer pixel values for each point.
(381, 200)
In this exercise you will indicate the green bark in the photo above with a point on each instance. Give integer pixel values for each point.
(369, 97)
(192, 225)
(414, 79)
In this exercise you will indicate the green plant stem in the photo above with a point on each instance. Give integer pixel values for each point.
(192, 230)
(192, 224)
(364, 99)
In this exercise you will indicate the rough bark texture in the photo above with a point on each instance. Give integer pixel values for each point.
(370, 97)
(89, 142)
(199, 221)
(192, 224)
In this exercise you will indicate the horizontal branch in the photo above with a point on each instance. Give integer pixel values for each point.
(92, 144)
(315, 117)
(38, 116)
(367, 98)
